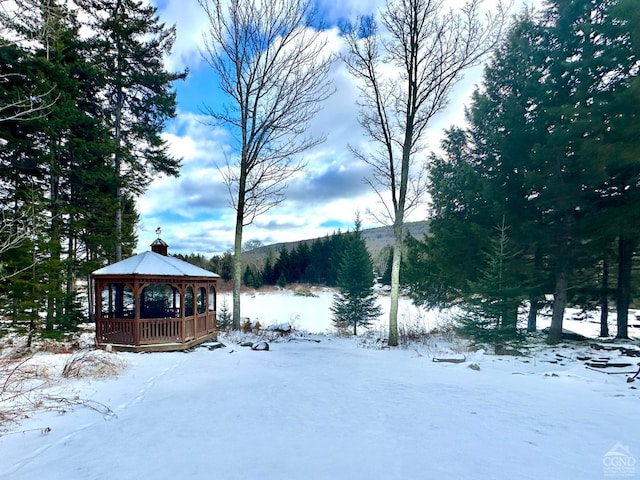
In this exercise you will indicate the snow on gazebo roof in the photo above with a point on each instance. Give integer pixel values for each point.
(151, 263)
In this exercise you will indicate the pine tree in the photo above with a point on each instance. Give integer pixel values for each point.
(281, 269)
(490, 312)
(588, 62)
(439, 267)
(223, 321)
(552, 145)
(252, 277)
(130, 45)
(223, 265)
(267, 272)
(355, 303)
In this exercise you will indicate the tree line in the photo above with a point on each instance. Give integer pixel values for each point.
(84, 97)
(538, 196)
(315, 262)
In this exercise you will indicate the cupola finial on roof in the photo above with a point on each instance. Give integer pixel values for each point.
(159, 245)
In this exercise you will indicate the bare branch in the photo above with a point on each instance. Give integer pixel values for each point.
(23, 25)
(24, 107)
(273, 68)
(407, 73)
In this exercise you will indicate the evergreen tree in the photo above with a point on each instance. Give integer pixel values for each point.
(267, 272)
(355, 303)
(252, 277)
(282, 268)
(58, 157)
(490, 313)
(223, 320)
(302, 261)
(588, 62)
(316, 271)
(386, 274)
(333, 253)
(552, 146)
(439, 268)
(282, 280)
(58, 163)
(130, 44)
(223, 265)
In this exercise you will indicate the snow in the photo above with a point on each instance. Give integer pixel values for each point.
(336, 408)
(151, 263)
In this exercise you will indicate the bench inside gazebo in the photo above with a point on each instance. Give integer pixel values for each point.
(154, 302)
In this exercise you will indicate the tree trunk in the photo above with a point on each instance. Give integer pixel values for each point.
(625, 256)
(33, 325)
(510, 318)
(55, 246)
(604, 300)
(559, 304)
(91, 300)
(395, 284)
(117, 168)
(237, 245)
(237, 273)
(70, 279)
(532, 325)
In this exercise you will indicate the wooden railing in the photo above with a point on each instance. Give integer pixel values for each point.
(189, 329)
(201, 325)
(115, 330)
(159, 330)
(150, 331)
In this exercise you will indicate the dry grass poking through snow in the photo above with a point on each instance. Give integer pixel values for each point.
(28, 385)
(93, 364)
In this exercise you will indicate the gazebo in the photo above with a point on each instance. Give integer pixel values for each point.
(154, 302)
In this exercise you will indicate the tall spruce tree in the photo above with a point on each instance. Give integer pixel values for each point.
(439, 268)
(355, 303)
(130, 46)
(588, 61)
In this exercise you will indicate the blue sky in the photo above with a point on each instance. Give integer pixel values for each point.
(194, 210)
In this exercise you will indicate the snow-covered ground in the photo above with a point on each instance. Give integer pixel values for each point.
(321, 406)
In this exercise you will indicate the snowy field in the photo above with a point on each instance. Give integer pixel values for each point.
(321, 406)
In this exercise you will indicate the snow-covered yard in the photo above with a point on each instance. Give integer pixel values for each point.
(325, 407)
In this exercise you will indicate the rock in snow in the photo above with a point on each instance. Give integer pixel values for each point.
(262, 345)
(280, 328)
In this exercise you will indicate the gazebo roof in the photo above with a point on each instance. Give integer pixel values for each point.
(151, 263)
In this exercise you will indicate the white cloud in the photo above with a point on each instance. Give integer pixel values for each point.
(191, 23)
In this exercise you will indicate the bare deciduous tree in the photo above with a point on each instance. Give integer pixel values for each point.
(24, 107)
(272, 65)
(407, 72)
(12, 234)
(19, 20)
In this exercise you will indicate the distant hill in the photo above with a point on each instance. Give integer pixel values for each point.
(378, 241)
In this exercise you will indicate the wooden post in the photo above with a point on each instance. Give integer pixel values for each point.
(136, 317)
(183, 311)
